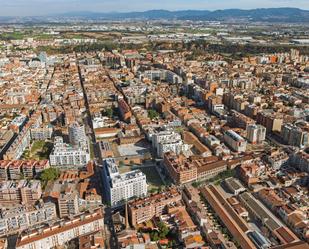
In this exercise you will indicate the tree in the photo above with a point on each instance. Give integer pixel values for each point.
(152, 114)
(163, 230)
(109, 112)
(50, 174)
(154, 236)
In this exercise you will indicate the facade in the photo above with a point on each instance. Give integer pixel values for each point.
(22, 192)
(64, 155)
(77, 135)
(294, 135)
(17, 148)
(256, 133)
(152, 206)
(270, 120)
(300, 161)
(235, 141)
(22, 218)
(41, 133)
(22, 141)
(120, 187)
(183, 170)
(58, 234)
(167, 141)
(68, 204)
(240, 120)
(125, 110)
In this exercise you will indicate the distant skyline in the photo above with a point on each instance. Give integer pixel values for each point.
(46, 7)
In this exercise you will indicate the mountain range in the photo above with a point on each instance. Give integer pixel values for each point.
(283, 15)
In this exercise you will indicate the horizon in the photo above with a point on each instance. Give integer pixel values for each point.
(26, 8)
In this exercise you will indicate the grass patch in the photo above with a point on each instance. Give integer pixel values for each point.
(153, 177)
(12, 36)
(40, 150)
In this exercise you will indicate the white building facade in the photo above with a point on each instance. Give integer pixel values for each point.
(121, 187)
(65, 155)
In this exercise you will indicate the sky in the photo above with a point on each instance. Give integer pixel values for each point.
(44, 7)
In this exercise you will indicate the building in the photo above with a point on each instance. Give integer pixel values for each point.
(22, 140)
(58, 234)
(77, 135)
(300, 161)
(167, 141)
(64, 155)
(22, 192)
(232, 221)
(270, 120)
(256, 133)
(125, 111)
(21, 218)
(68, 204)
(294, 135)
(265, 216)
(18, 169)
(234, 186)
(235, 141)
(240, 120)
(41, 133)
(145, 209)
(183, 170)
(121, 187)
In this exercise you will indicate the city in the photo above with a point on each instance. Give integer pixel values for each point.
(155, 129)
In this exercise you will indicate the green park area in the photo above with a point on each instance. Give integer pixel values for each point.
(39, 150)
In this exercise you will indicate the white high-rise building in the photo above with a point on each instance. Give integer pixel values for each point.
(256, 133)
(67, 156)
(77, 135)
(122, 187)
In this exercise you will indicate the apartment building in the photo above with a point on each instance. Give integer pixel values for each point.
(58, 234)
(125, 111)
(183, 170)
(68, 204)
(21, 218)
(77, 135)
(300, 161)
(270, 120)
(22, 192)
(294, 135)
(164, 75)
(167, 141)
(41, 133)
(256, 133)
(145, 209)
(64, 155)
(179, 168)
(15, 170)
(235, 141)
(22, 141)
(120, 187)
(240, 120)
(17, 148)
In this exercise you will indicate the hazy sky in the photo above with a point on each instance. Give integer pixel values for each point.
(43, 7)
